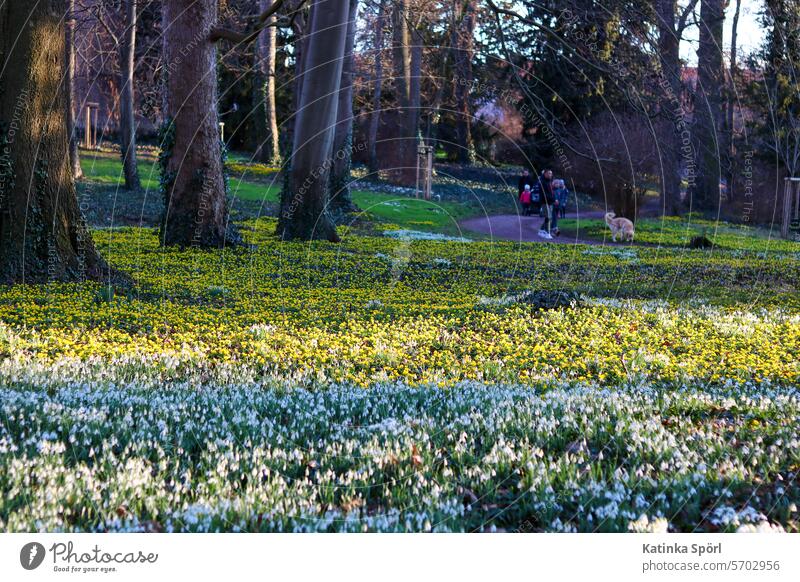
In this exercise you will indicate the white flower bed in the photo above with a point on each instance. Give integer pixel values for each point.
(142, 455)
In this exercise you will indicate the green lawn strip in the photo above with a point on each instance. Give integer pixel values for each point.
(678, 232)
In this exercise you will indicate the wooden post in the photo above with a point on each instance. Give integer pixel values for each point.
(87, 130)
(791, 207)
(416, 188)
(94, 128)
(425, 164)
(90, 131)
(428, 172)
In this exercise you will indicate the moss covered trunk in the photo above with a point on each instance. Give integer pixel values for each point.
(43, 236)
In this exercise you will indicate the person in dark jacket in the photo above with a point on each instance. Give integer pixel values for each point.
(549, 205)
(562, 197)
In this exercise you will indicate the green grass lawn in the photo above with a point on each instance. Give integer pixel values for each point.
(103, 167)
(678, 231)
(258, 183)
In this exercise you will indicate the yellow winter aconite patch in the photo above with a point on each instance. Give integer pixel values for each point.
(422, 311)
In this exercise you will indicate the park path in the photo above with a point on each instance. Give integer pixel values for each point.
(526, 228)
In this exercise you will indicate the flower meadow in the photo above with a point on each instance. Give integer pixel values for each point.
(404, 384)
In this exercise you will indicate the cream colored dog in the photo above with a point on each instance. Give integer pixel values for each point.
(619, 226)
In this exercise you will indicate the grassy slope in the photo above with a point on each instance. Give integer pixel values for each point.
(678, 231)
(259, 184)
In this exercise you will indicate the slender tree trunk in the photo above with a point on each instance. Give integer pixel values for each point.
(127, 117)
(339, 199)
(304, 214)
(674, 114)
(74, 155)
(267, 150)
(407, 60)
(434, 110)
(731, 104)
(43, 236)
(708, 105)
(463, 49)
(375, 117)
(195, 212)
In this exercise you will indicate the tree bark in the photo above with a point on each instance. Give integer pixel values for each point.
(463, 51)
(301, 24)
(127, 117)
(304, 214)
(731, 102)
(708, 107)
(195, 212)
(43, 236)
(407, 61)
(674, 114)
(267, 150)
(74, 155)
(375, 117)
(339, 200)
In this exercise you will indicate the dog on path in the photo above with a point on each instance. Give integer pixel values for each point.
(619, 226)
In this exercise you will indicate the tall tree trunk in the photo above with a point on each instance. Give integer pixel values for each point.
(127, 117)
(301, 24)
(195, 212)
(375, 117)
(407, 60)
(674, 114)
(267, 150)
(463, 51)
(339, 199)
(304, 214)
(731, 102)
(69, 79)
(708, 105)
(43, 236)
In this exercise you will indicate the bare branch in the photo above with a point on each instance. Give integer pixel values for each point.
(246, 38)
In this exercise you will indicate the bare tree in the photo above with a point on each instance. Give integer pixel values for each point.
(463, 44)
(407, 64)
(267, 150)
(127, 117)
(121, 29)
(74, 156)
(375, 117)
(43, 236)
(671, 24)
(731, 101)
(710, 122)
(339, 199)
(304, 214)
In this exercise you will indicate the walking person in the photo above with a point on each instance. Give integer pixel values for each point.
(525, 200)
(524, 180)
(549, 206)
(562, 196)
